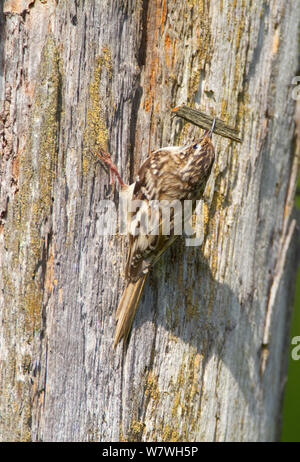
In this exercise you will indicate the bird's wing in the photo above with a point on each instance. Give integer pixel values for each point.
(156, 181)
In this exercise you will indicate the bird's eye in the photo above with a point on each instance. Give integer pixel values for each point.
(195, 146)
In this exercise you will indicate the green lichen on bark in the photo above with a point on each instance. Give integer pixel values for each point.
(32, 205)
(26, 233)
(96, 131)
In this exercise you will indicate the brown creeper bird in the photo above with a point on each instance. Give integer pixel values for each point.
(168, 174)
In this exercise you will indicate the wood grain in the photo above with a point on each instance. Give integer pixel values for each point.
(205, 121)
(77, 77)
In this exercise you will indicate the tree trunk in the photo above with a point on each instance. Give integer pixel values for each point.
(207, 355)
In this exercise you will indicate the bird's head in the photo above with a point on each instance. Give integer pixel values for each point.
(204, 142)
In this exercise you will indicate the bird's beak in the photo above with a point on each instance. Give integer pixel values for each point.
(209, 134)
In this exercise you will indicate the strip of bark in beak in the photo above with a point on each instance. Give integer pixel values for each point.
(205, 121)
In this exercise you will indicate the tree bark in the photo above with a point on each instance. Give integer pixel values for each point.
(207, 355)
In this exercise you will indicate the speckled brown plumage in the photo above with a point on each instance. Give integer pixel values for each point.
(168, 174)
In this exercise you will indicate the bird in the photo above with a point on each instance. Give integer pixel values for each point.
(174, 173)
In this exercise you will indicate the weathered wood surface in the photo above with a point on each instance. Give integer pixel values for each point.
(202, 362)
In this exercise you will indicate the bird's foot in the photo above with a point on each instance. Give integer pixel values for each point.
(105, 157)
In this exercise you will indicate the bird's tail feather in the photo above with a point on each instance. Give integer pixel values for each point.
(127, 308)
